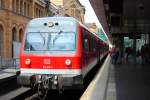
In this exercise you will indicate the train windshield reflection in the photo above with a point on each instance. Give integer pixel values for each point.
(62, 41)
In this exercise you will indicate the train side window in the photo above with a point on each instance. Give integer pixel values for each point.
(86, 45)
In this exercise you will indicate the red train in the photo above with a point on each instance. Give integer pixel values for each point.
(57, 53)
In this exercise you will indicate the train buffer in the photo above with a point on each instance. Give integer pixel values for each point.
(125, 81)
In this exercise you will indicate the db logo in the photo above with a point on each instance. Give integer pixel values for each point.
(47, 61)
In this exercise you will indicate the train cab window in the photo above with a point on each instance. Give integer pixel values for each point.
(63, 41)
(34, 42)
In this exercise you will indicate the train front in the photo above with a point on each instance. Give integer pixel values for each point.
(50, 54)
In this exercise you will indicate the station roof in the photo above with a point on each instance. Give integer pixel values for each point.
(123, 16)
(100, 12)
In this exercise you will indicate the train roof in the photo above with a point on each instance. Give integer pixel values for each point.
(64, 20)
(53, 23)
(55, 18)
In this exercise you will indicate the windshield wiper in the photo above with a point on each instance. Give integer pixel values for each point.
(56, 37)
(42, 38)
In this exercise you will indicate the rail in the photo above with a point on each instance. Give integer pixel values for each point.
(97, 88)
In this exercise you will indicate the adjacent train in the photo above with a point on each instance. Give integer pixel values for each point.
(57, 53)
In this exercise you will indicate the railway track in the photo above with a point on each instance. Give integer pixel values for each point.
(9, 88)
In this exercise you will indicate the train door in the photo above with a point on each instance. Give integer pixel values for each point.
(86, 48)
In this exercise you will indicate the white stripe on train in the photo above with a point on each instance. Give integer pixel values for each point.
(51, 71)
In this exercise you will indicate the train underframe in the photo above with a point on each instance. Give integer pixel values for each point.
(51, 81)
(42, 83)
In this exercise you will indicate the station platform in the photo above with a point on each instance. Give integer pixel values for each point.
(123, 81)
(7, 74)
(129, 81)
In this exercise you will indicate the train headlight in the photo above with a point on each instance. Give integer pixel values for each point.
(68, 62)
(27, 61)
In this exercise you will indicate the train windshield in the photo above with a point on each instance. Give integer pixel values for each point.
(59, 41)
